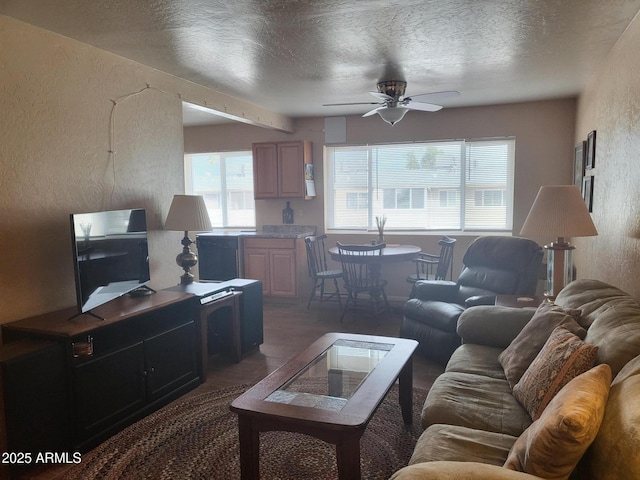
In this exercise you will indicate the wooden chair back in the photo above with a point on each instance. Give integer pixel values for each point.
(360, 265)
(316, 254)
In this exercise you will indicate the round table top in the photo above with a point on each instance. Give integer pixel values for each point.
(391, 253)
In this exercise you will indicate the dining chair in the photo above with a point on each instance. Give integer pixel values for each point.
(435, 267)
(318, 271)
(361, 273)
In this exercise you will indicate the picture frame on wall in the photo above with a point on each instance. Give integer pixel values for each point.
(579, 163)
(590, 161)
(587, 191)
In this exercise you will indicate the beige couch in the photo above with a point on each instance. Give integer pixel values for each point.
(474, 424)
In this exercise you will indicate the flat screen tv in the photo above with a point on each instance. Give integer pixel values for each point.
(111, 255)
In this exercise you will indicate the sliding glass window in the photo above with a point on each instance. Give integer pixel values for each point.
(463, 185)
(226, 182)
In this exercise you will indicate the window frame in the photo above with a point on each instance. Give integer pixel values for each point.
(224, 194)
(469, 156)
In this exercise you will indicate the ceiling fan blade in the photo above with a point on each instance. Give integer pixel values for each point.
(354, 103)
(374, 111)
(429, 97)
(425, 107)
(382, 96)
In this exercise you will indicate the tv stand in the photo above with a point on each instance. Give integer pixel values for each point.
(85, 313)
(141, 356)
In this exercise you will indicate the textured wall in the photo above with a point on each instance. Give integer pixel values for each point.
(611, 106)
(57, 127)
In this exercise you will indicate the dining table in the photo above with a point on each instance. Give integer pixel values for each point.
(391, 253)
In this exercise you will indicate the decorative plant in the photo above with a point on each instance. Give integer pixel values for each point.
(380, 223)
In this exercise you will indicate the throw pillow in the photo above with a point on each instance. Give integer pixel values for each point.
(562, 358)
(553, 445)
(516, 358)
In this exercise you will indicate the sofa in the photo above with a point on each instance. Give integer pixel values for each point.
(580, 357)
(493, 265)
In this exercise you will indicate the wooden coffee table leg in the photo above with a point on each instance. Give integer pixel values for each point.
(348, 457)
(249, 449)
(405, 391)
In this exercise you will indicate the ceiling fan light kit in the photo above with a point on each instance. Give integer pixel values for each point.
(392, 115)
(393, 105)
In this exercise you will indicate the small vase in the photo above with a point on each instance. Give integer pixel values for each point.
(381, 238)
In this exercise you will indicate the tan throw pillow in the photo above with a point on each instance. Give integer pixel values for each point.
(562, 358)
(516, 358)
(552, 445)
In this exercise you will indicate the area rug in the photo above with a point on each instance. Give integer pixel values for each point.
(197, 438)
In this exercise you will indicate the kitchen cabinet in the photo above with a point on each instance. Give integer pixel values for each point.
(273, 262)
(279, 169)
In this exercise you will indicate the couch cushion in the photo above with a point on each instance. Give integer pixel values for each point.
(449, 442)
(517, 357)
(457, 471)
(476, 359)
(563, 357)
(474, 401)
(553, 445)
(615, 453)
(612, 317)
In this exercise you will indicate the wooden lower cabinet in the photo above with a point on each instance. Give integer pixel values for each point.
(140, 356)
(273, 262)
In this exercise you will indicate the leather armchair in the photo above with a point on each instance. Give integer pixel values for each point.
(492, 265)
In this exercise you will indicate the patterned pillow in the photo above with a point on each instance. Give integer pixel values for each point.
(516, 358)
(562, 358)
(552, 445)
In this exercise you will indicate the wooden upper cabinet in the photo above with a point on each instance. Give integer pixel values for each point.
(279, 169)
(265, 170)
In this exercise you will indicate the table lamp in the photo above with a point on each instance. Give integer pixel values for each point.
(559, 211)
(187, 213)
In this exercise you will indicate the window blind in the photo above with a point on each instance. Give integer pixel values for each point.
(453, 185)
(226, 182)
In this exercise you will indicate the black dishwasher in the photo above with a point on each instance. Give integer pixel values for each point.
(219, 256)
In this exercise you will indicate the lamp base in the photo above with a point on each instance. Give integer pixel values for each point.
(559, 267)
(186, 260)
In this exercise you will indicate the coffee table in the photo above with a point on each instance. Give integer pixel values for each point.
(329, 391)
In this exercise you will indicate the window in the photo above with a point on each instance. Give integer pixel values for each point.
(356, 200)
(489, 198)
(226, 182)
(449, 198)
(455, 185)
(397, 198)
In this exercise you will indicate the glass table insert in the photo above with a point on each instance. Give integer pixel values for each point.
(333, 377)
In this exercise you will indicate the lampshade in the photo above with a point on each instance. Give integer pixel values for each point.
(559, 211)
(188, 213)
(392, 115)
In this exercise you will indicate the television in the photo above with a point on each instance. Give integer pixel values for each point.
(111, 255)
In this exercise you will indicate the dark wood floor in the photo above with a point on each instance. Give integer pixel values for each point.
(289, 329)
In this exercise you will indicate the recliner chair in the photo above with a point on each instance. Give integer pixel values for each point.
(493, 265)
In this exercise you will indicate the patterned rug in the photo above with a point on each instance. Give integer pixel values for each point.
(197, 438)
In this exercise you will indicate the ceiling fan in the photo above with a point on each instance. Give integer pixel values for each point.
(393, 105)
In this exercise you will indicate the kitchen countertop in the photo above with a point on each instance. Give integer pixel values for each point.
(269, 231)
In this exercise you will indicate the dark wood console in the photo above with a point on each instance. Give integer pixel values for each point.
(230, 317)
(117, 370)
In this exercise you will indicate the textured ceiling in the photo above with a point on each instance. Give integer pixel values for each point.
(292, 56)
